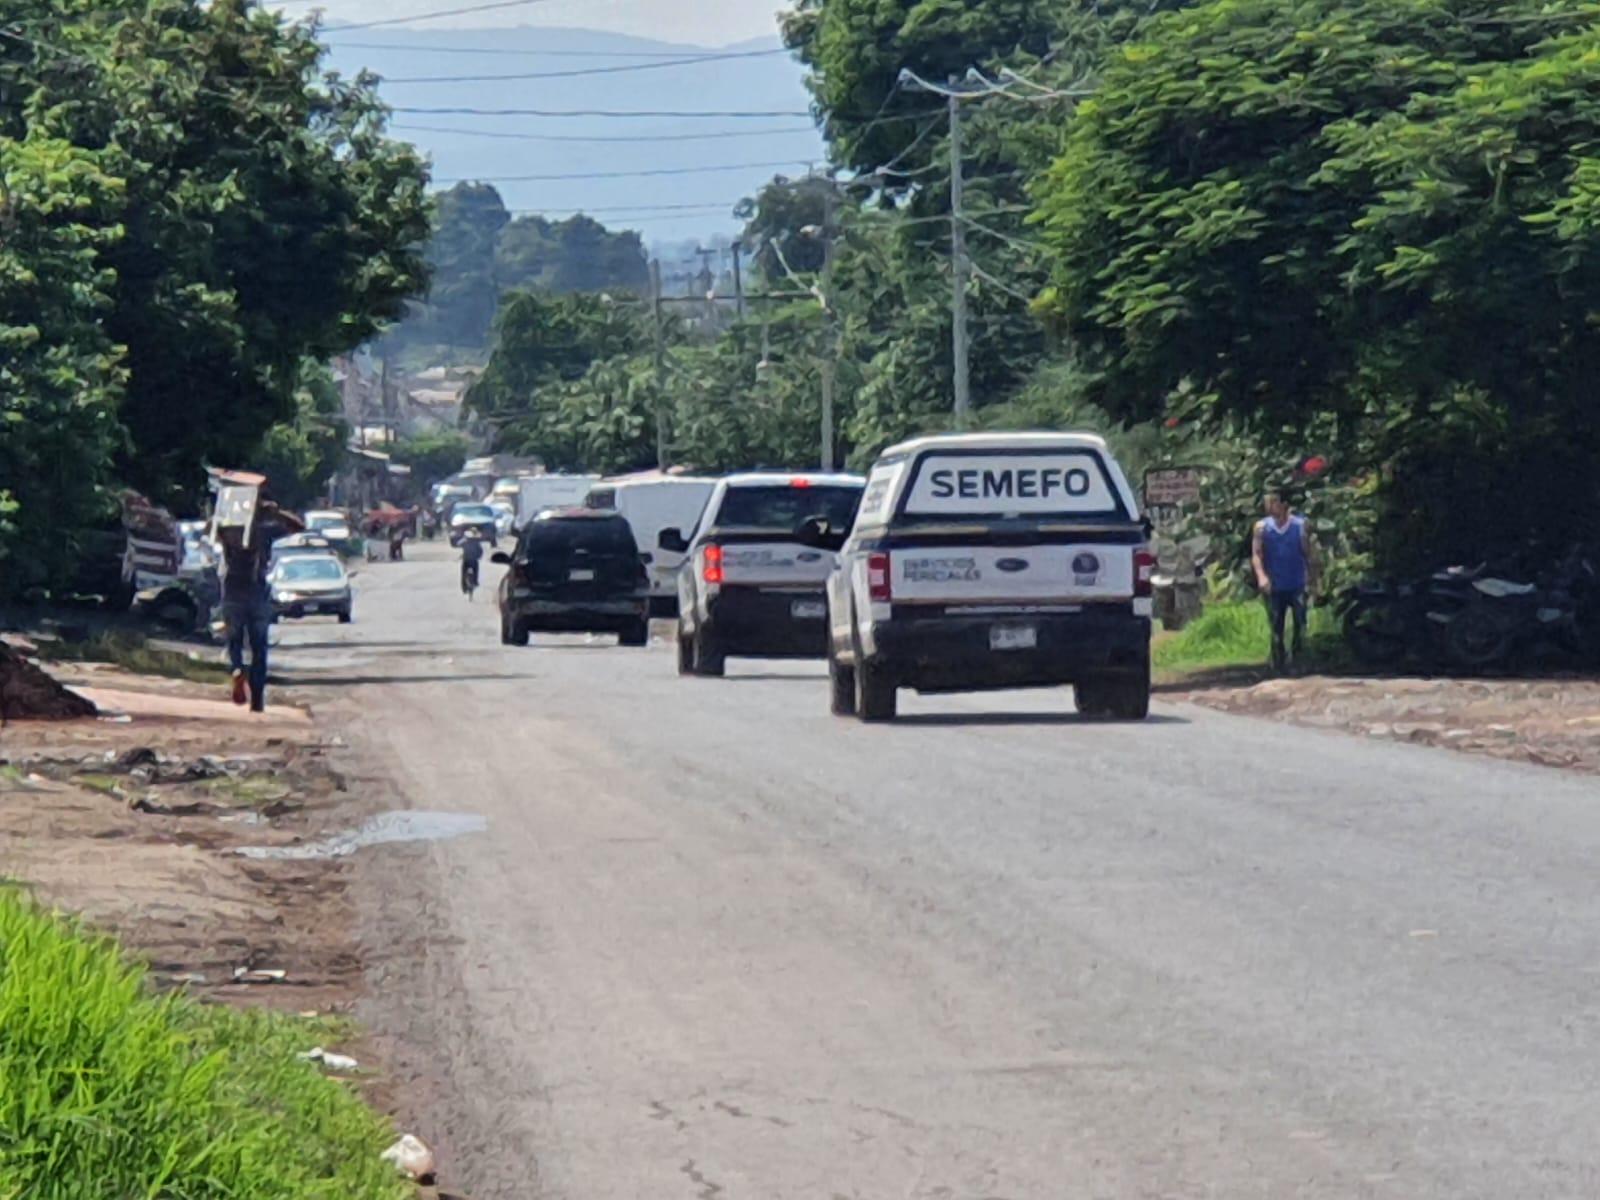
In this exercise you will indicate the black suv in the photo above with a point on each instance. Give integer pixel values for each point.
(575, 570)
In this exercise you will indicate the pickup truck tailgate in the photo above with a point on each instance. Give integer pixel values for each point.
(979, 575)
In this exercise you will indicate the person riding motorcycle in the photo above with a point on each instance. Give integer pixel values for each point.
(471, 557)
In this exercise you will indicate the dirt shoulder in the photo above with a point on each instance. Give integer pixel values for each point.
(1550, 722)
(156, 823)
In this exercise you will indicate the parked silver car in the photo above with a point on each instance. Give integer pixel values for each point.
(308, 585)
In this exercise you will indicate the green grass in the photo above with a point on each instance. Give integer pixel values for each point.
(1236, 634)
(107, 1090)
(135, 654)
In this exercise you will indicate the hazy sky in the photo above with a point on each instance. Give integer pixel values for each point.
(703, 22)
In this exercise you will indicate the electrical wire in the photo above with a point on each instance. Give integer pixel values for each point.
(1016, 243)
(633, 115)
(586, 71)
(979, 273)
(430, 16)
(629, 208)
(628, 174)
(396, 48)
(631, 137)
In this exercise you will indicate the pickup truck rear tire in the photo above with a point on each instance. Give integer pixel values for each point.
(1132, 701)
(637, 634)
(685, 654)
(709, 660)
(1117, 697)
(842, 685)
(516, 633)
(877, 698)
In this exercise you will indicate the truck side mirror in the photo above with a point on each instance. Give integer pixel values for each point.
(673, 541)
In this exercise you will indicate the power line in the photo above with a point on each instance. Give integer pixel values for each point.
(509, 53)
(584, 71)
(627, 137)
(1004, 287)
(629, 208)
(1016, 243)
(595, 112)
(429, 16)
(631, 174)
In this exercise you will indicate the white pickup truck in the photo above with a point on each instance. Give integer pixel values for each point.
(750, 585)
(986, 561)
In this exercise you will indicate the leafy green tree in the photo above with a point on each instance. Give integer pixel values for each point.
(432, 456)
(59, 371)
(479, 253)
(546, 344)
(1379, 211)
(265, 216)
(302, 455)
(788, 212)
(468, 222)
(856, 50)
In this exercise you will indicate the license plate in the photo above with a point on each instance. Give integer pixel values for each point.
(1013, 637)
(808, 610)
(581, 576)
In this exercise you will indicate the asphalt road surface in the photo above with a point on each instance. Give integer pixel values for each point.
(717, 943)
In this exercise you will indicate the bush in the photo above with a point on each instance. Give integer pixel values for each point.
(107, 1090)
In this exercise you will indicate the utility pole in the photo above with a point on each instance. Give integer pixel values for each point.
(961, 268)
(738, 279)
(830, 350)
(661, 364)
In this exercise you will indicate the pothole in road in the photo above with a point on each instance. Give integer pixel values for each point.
(382, 830)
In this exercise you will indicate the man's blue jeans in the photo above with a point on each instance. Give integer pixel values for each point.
(249, 619)
(1280, 605)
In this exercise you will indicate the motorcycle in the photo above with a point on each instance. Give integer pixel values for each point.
(1511, 615)
(1388, 623)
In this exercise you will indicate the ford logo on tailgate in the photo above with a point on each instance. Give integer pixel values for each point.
(809, 556)
(1012, 565)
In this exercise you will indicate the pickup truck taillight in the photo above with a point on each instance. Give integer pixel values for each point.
(879, 588)
(1144, 569)
(712, 572)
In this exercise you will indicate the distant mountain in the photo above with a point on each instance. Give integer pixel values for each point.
(714, 162)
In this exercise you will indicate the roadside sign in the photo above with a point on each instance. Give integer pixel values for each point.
(1168, 490)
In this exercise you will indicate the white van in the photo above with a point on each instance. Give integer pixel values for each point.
(539, 492)
(999, 560)
(651, 505)
(752, 585)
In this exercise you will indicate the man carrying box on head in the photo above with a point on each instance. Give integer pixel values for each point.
(249, 523)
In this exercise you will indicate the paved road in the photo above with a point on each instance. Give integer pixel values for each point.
(718, 944)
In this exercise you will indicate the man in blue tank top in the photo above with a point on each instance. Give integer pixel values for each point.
(1286, 566)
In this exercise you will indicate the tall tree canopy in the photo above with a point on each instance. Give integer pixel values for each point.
(59, 378)
(262, 216)
(479, 253)
(1384, 211)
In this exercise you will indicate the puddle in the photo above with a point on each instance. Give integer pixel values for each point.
(379, 831)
